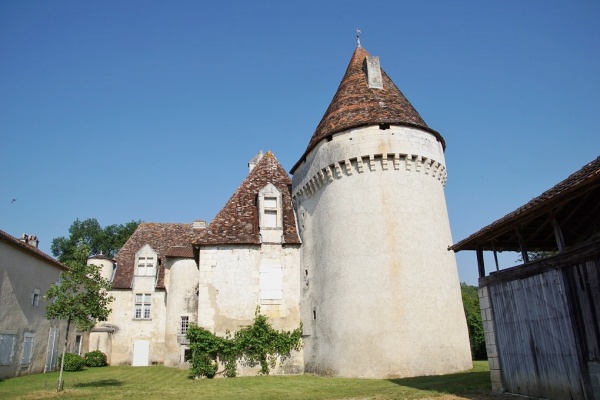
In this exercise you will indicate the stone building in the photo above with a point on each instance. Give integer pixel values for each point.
(355, 247)
(29, 343)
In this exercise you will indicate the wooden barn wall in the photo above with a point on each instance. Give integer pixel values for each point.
(536, 345)
(584, 281)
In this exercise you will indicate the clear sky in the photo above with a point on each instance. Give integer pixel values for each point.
(127, 110)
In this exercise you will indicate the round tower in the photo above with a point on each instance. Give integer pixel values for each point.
(106, 264)
(381, 296)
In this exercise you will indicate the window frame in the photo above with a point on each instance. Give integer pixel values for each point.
(11, 356)
(142, 304)
(146, 265)
(184, 324)
(27, 348)
(270, 207)
(36, 297)
(271, 283)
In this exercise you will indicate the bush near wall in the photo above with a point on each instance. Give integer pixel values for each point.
(95, 358)
(73, 362)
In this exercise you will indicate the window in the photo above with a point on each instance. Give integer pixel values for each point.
(142, 306)
(7, 348)
(269, 206)
(27, 348)
(270, 213)
(271, 282)
(35, 298)
(185, 324)
(77, 345)
(146, 266)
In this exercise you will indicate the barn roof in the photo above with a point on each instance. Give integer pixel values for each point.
(574, 205)
(356, 104)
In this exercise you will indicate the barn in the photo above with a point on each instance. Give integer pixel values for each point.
(541, 318)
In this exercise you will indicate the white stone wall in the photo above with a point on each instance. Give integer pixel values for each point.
(229, 292)
(380, 293)
(181, 281)
(128, 329)
(20, 274)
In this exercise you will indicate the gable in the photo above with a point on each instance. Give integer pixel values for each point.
(238, 220)
(150, 237)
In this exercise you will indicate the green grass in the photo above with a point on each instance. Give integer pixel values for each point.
(159, 382)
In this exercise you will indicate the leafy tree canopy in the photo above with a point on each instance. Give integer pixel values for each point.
(99, 240)
(474, 324)
(81, 296)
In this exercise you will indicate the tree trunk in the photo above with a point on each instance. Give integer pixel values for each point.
(60, 384)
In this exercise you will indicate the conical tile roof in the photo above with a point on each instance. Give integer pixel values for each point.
(356, 104)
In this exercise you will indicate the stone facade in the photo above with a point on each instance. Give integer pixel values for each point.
(384, 273)
(29, 343)
(357, 251)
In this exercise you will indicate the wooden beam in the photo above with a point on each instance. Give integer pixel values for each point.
(522, 246)
(495, 256)
(480, 263)
(560, 241)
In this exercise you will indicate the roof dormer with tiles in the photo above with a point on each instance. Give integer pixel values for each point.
(259, 211)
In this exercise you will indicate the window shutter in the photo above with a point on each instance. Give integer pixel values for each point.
(271, 282)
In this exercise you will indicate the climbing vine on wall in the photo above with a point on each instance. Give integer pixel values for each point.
(256, 344)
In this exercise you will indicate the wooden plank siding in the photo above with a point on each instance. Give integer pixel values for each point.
(536, 345)
(547, 328)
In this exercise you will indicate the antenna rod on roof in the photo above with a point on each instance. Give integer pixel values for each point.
(358, 32)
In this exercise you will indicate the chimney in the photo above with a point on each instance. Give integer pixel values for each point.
(199, 224)
(374, 73)
(31, 240)
(252, 163)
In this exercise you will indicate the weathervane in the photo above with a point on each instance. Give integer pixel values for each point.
(358, 32)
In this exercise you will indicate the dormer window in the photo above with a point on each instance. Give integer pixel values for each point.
(269, 205)
(146, 261)
(270, 212)
(146, 266)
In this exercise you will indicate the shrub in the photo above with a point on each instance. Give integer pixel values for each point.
(95, 358)
(73, 362)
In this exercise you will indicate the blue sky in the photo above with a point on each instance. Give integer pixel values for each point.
(127, 110)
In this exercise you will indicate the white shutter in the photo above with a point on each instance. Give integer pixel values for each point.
(7, 348)
(271, 282)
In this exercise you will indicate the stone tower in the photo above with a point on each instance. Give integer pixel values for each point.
(380, 292)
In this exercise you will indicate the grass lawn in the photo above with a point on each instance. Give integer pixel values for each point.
(159, 382)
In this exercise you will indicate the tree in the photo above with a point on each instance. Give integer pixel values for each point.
(80, 297)
(474, 324)
(99, 240)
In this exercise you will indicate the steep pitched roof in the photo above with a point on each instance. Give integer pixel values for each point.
(237, 222)
(356, 104)
(575, 202)
(162, 237)
(29, 249)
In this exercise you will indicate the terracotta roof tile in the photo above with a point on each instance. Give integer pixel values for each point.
(180, 251)
(355, 104)
(31, 250)
(162, 237)
(237, 222)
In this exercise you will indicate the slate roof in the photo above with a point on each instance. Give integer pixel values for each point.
(355, 105)
(31, 250)
(163, 237)
(574, 202)
(237, 222)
